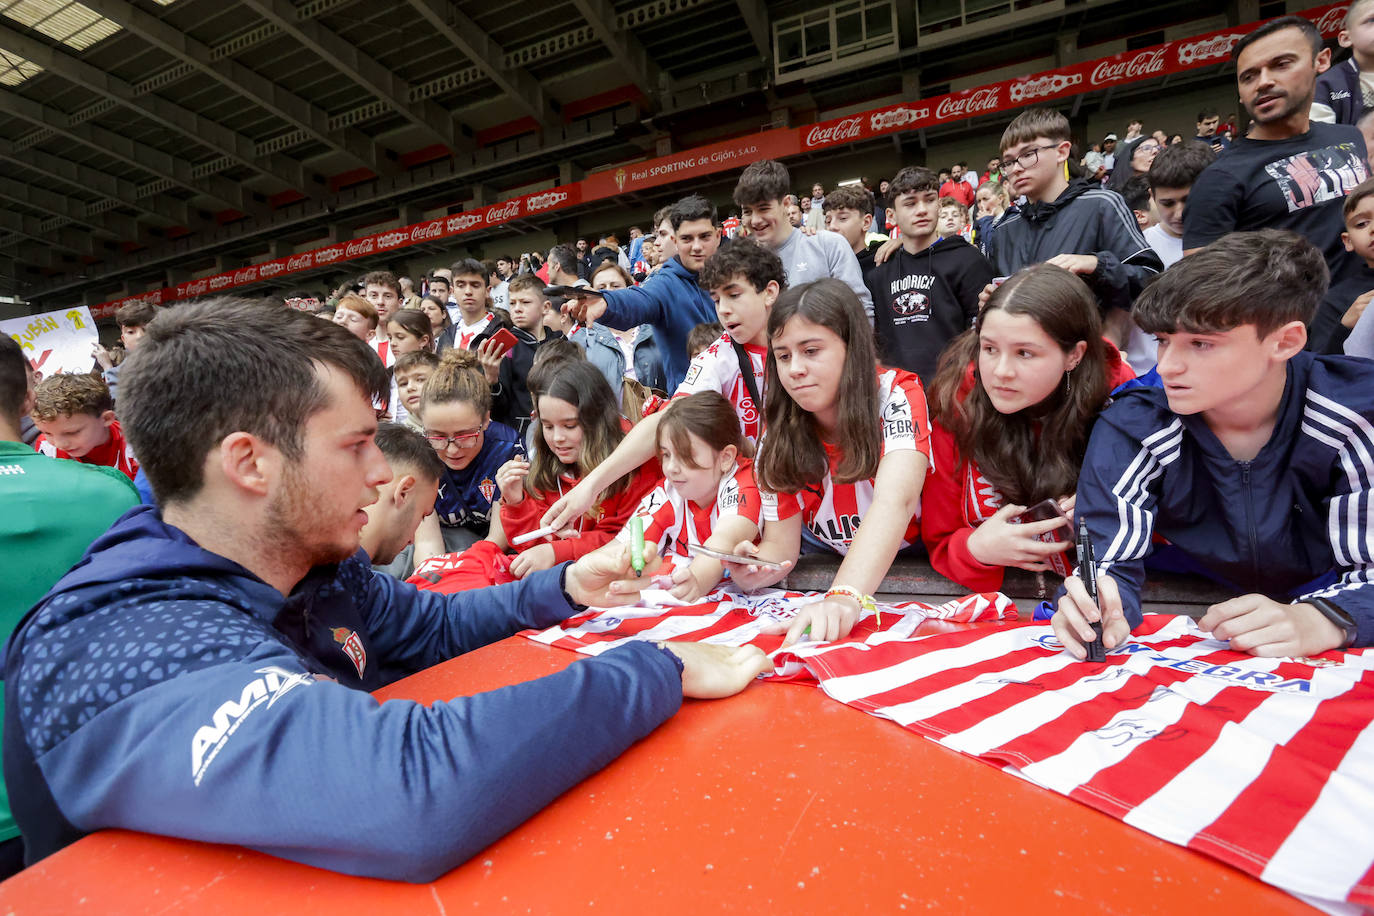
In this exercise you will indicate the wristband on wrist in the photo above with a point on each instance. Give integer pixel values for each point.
(563, 586)
(865, 602)
(1337, 615)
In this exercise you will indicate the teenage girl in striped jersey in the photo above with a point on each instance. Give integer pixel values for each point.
(847, 441)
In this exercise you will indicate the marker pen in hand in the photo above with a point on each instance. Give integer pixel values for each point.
(637, 545)
(1087, 568)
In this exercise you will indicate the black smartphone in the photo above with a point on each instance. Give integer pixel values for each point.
(569, 292)
(1046, 509)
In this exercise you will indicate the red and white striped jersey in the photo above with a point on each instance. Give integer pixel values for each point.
(831, 511)
(382, 347)
(465, 334)
(717, 368)
(1264, 763)
(672, 521)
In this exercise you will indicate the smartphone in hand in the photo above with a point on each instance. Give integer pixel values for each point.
(1046, 509)
(506, 339)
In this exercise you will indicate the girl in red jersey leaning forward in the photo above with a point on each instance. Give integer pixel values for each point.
(1012, 405)
(707, 498)
(847, 441)
(577, 425)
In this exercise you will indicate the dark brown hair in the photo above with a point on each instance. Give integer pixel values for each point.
(205, 371)
(849, 198)
(412, 321)
(135, 314)
(706, 415)
(1035, 453)
(583, 386)
(413, 360)
(14, 379)
(703, 335)
(793, 455)
(912, 178)
(522, 282)
(382, 278)
(761, 182)
(1352, 200)
(1264, 277)
(1033, 123)
(406, 449)
(746, 258)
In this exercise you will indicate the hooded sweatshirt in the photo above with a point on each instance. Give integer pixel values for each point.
(673, 303)
(164, 688)
(1085, 219)
(923, 301)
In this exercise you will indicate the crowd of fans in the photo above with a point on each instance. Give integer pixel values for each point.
(1148, 338)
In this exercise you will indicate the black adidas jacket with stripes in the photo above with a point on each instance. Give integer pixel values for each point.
(1294, 523)
(1085, 219)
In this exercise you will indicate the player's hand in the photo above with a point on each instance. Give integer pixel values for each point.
(710, 672)
(828, 620)
(1067, 504)
(604, 577)
(750, 577)
(1076, 612)
(1082, 264)
(888, 249)
(102, 356)
(585, 308)
(536, 558)
(1264, 627)
(569, 507)
(510, 480)
(489, 353)
(1349, 319)
(1001, 542)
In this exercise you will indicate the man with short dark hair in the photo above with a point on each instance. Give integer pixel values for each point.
(1207, 121)
(242, 624)
(406, 499)
(562, 263)
(670, 300)
(1288, 172)
(54, 508)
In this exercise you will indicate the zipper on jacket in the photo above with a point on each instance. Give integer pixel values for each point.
(1250, 519)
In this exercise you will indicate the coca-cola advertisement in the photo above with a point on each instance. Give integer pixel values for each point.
(969, 103)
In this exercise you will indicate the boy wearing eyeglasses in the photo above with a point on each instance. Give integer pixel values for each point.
(1074, 224)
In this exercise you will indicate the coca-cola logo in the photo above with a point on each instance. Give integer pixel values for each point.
(194, 288)
(1040, 87)
(498, 213)
(221, 281)
(1210, 49)
(298, 262)
(246, 275)
(328, 255)
(431, 230)
(897, 117)
(979, 101)
(270, 268)
(545, 201)
(360, 246)
(1333, 20)
(838, 132)
(462, 222)
(1146, 63)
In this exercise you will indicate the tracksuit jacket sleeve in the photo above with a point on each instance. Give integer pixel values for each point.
(1125, 262)
(943, 528)
(255, 751)
(1349, 517)
(1116, 495)
(414, 629)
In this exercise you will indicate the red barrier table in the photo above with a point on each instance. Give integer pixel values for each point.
(777, 800)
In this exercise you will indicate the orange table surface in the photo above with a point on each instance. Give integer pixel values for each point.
(777, 800)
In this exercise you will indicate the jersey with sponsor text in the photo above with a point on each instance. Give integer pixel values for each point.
(717, 368)
(832, 511)
(673, 522)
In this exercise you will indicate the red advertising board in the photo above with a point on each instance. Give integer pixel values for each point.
(1133, 66)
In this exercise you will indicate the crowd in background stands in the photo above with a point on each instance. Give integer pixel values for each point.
(1161, 340)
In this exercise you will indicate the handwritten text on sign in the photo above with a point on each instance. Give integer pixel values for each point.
(55, 341)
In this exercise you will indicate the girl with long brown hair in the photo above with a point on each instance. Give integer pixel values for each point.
(1012, 405)
(577, 426)
(847, 442)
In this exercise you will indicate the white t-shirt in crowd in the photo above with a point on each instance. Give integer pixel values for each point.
(1141, 349)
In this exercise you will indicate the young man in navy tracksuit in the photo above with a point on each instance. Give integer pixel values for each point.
(1255, 459)
(670, 301)
(203, 672)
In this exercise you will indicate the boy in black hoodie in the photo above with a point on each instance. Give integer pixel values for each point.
(926, 293)
(1076, 225)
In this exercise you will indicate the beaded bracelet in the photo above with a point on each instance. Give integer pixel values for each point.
(865, 602)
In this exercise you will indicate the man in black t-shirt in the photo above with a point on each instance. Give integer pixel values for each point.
(1288, 173)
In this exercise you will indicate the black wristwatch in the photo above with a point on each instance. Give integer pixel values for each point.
(1337, 615)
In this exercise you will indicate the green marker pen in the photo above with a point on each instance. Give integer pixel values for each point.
(637, 545)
